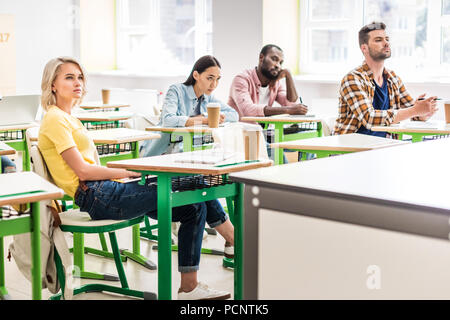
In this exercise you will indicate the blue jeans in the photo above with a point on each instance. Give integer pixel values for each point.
(107, 199)
(7, 165)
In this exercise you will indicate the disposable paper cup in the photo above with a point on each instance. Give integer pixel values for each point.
(447, 111)
(213, 115)
(251, 145)
(105, 96)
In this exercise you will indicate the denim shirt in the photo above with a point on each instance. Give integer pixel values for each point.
(179, 105)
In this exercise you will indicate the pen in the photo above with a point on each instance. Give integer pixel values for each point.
(434, 99)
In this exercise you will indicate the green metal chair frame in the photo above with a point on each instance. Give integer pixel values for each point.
(110, 228)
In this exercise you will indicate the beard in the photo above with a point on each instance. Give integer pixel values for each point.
(266, 73)
(379, 56)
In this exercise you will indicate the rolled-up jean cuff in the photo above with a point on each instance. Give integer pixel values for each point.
(187, 269)
(218, 222)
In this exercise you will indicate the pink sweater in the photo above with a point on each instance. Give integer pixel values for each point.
(244, 94)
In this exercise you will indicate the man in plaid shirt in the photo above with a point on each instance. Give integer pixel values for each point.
(371, 95)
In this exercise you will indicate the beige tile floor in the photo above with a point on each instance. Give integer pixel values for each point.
(139, 278)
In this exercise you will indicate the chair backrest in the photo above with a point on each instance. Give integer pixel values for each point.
(39, 165)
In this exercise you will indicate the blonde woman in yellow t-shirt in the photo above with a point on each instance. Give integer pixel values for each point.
(70, 156)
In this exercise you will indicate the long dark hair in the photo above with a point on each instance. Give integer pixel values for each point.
(201, 65)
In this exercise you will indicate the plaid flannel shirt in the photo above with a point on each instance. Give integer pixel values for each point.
(356, 97)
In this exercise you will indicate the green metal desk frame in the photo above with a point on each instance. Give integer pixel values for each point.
(146, 232)
(417, 136)
(27, 223)
(321, 153)
(167, 199)
(281, 137)
(20, 145)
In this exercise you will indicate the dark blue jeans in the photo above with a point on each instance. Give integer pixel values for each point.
(7, 165)
(107, 199)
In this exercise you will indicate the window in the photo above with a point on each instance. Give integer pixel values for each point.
(419, 33)
(162, 36)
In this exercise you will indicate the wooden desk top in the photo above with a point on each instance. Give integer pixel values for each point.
(352, 142)
(103, 116)
(22, 126)
(194, 129)
(25, 187)
(433, 127)
(283, 118)
(116, 135)
(121, 135)
(168, 163)
(100, 105)
(5, 149)
(415, 174)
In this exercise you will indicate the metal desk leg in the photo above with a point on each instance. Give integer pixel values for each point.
(3, 292)
(416, 137)
(238, 242)
(135, 255)
(36, 252)
(164, 190)
(226, 262)
(278, 138)
(319, 129)
(187, 141)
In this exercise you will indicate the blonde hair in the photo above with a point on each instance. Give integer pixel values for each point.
(51, 70)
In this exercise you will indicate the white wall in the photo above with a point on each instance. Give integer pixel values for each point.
(237, 38)
(44, 30)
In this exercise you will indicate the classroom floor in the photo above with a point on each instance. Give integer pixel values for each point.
(139, 278)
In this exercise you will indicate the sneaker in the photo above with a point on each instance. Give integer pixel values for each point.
(228, 251)
(203, 292)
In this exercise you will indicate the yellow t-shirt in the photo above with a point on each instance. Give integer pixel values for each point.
(60, 131)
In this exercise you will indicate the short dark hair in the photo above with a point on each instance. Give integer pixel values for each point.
(201, 65)
(267, 47)
(363, 34)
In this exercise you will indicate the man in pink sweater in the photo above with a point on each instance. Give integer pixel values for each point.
(254, 91)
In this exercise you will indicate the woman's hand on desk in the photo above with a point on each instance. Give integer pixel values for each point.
(200, 119)
(132, 174)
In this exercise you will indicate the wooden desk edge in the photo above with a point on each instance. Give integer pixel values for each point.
(283, 145)
(125, 140)
(32, 198)
(18, 127)
(4, 152)
(411, 130)
(290, 120)
(105, 106)
(209, 171)
(180, 129)
(103, 119)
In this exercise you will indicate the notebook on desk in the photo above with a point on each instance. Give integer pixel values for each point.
(203, 158)
(421, 125)
(18, 110)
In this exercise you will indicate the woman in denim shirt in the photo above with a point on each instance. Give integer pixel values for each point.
(185, 104)
(69, 153)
